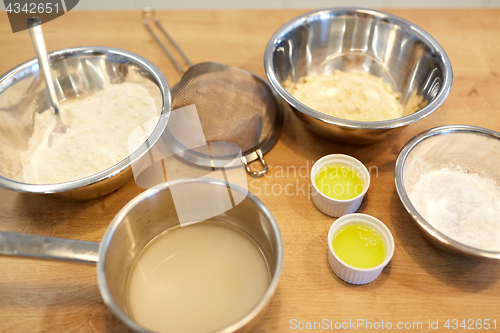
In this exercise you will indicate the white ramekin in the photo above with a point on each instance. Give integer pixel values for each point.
(350, 273)
(335, 207)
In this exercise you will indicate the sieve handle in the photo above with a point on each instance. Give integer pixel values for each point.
(256, 174)
(150, 12)
(42, 247)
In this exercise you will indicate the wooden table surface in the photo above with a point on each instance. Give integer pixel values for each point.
(421, 283)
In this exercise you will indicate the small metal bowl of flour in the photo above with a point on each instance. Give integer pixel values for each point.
(449, 181)
(104, 94)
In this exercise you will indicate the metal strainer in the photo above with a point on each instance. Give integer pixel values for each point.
(234, 106)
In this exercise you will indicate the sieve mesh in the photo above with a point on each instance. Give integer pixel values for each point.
(233, 105)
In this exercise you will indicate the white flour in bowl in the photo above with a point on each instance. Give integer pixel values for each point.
(97, 135)
(462, 205)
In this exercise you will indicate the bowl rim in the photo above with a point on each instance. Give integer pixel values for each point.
(356, 124)
(425, 226)
(163, 85)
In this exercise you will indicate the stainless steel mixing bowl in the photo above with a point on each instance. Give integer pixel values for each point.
(142, 219)
(77, 72)
(366, 40)
(473, 148)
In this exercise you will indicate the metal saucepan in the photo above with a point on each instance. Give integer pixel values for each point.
(142, 219)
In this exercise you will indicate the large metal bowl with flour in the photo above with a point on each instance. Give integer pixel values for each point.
(78, 72)
(365, 40)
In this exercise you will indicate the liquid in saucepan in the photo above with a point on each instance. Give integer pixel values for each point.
(197, 278)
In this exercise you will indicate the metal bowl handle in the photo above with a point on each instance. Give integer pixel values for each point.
(256, 174)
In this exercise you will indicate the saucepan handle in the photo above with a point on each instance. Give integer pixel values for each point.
(48, 248)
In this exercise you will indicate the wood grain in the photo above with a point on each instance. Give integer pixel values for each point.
(420, 284)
